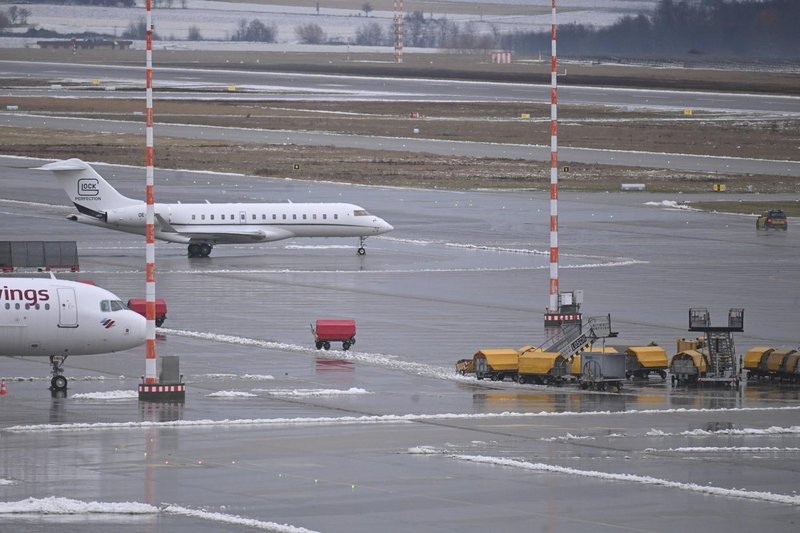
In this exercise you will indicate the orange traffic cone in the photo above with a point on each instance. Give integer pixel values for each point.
(3, 388)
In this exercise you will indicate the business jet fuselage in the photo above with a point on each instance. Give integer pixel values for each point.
(58, 318)
(201, 226)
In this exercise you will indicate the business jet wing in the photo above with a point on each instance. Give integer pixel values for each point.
(235, 235)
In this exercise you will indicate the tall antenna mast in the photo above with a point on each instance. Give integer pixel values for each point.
(398, 32)
(150, 247)
(554, 304)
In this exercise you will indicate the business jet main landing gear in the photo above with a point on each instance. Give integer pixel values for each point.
(199, 249)
(58, 382)
(361, 250)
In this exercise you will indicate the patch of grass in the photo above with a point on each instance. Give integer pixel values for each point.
(790, 207)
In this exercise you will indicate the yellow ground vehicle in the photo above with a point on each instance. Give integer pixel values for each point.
(790, 367)
(465, 366)
(496, 363)
(536, 366)
(688, 366)
(641, 361)
(772, 219)
(753, 357)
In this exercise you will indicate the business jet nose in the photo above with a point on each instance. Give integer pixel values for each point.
(383, 226)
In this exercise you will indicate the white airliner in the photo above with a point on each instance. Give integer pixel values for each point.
(201, 226)
(57, 318)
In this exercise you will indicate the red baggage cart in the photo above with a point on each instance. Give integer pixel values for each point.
(327, 331)
(140, 306)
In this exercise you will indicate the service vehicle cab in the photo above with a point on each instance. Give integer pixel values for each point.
(772, 219)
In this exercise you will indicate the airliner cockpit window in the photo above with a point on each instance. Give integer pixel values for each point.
(105, 306)
(117, 305)
(360, 213)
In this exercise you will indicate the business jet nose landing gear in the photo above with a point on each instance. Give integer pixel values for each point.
(361, 250)
(199, 249)
(58, 382)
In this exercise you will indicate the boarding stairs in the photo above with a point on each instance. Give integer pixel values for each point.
(721, 353)
(574, 338)
(722, 360)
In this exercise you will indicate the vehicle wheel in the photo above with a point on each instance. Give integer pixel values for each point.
(361, 251)
(479, 375)
(318, 344)
(326, 345)
(345, 346)
(205, 249)
(59, 383)
(194, 250)
(584, 385)
(628, 374)
(663, 374)
(497, 377)
(159, 321)
(522, 380)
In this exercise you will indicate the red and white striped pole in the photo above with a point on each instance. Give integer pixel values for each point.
(150, 247)
(553, 170)
(398, 32)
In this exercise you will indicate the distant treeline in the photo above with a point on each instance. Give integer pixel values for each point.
(723, 28)
(106, 3)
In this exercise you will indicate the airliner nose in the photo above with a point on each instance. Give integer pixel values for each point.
(135, 328)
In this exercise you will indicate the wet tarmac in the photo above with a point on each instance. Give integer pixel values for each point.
(276, 435)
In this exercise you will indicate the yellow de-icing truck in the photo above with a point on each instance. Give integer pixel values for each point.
(790, 370)
(496, 363)
(688, 366)
(537, 366)
(772, 365)
(753, 358)
(641, 361)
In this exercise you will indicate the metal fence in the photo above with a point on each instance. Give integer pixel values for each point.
(39, 255)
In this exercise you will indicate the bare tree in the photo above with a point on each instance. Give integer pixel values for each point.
(310, 33)
(194, 34)
(23, 14)
(255, 30)
(13, 14)
(366, 8)
(370, 34)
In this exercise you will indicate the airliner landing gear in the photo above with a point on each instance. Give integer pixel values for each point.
(361, 250)
(58, 381)
(199, 249)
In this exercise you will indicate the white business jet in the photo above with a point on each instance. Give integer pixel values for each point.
(57, 318)
(202, 226)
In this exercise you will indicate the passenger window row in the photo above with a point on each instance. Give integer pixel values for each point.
(18, 306)
(304, 216)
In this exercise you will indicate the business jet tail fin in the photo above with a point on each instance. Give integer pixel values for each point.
(87, 189)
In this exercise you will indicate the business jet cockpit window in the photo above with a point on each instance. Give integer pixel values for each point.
(108, 306)
(360, 213)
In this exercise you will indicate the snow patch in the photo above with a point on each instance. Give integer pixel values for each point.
(231, 394)
(53, 505)
(56, 505)
(303, 393)
(630, 478)
(108, 395)
(672, 204)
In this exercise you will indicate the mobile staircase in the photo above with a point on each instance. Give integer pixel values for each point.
(723, 364)
(575, 338)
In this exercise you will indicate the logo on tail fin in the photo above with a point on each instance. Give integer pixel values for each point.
(88, 187)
